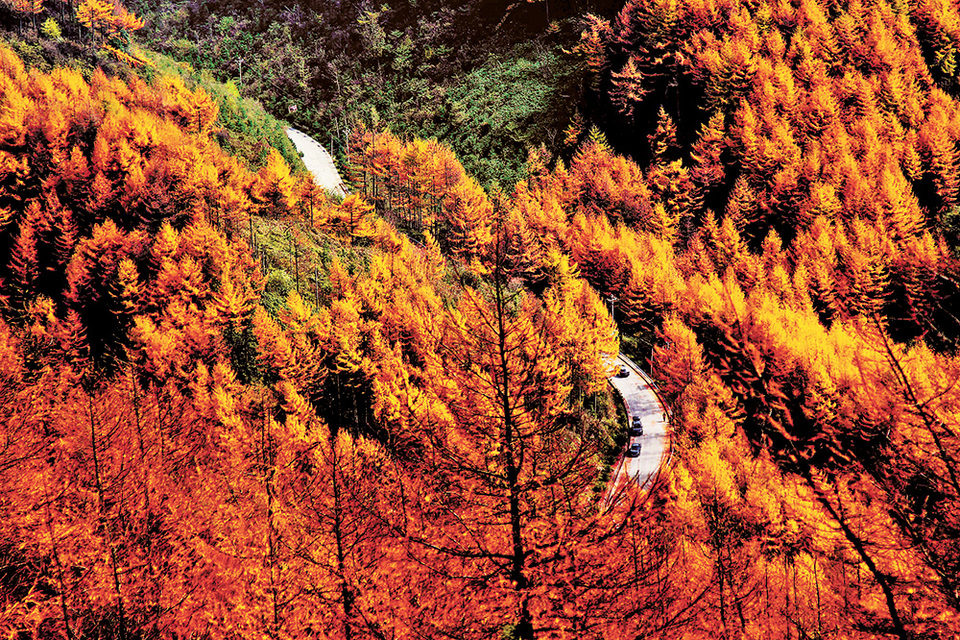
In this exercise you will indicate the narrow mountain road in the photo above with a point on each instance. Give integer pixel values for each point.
(642, 400)
(318, 162)
(637, 389)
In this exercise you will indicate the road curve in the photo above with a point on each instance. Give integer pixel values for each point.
(318, 162)
(641, 399)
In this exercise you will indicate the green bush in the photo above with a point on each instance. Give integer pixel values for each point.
(278, 286)
(51, 29)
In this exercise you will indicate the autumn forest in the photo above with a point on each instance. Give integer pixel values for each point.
(236, 405)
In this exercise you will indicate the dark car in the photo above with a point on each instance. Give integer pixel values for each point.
(623, 373)
(633, 450)
(636, 427)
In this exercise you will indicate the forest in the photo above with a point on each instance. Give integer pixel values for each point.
(234, 405)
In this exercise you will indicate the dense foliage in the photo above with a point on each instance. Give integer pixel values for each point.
(96, 35)
(782, 236)
(178, 461)
(233, 407)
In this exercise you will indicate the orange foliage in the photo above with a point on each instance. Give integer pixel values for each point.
(406, 446)
(107, 18)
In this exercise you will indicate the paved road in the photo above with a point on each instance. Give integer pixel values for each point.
(642, 400)
(318, 162)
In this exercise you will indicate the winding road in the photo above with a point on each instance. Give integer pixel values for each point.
(641, 399)
(637, 389)
(318, 162)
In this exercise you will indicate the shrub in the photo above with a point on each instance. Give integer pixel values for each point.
(51, 29)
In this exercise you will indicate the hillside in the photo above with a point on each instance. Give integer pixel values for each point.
(235, 407)
(421, 69)
(175, 453)
(53, 35)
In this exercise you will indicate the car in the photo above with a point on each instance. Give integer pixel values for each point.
(636, 427)
(623, 373)
(633, 450)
